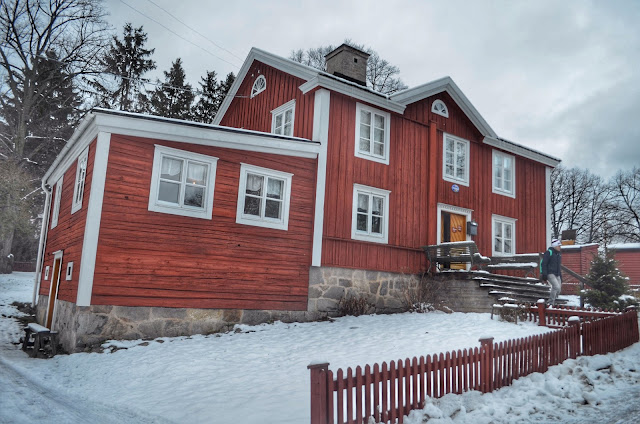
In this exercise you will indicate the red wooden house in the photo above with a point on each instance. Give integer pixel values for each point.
(308, 186)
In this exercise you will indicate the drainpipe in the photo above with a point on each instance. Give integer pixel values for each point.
(41, 244)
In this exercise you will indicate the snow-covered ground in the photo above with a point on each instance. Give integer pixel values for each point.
(259, 374)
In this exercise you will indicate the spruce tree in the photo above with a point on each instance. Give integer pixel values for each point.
(207, 105)
(174, 97)
(211, 96)
(124, 65)
(608, 284)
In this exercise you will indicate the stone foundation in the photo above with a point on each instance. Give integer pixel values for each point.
(383, 290)
(84, 327)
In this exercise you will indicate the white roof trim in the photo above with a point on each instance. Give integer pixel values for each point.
(353, 90)
(523, 151)
(423, 91)
(138, 125)
(289, 66)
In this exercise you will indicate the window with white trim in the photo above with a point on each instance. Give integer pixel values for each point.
(264, 197)
(504, 167)
(438, 107)
(56, 204)
(503, 235)
(182, 183)
(81, 175)
(69, 274)
(282, 119)
(372, 134)
(370, 220)
(259, 85)
(455, 166)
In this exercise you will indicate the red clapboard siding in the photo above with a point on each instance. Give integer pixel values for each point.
(68, 235)
(629, 264)
(406, 177)
(153, 259)
(255, 113)
(414, 177)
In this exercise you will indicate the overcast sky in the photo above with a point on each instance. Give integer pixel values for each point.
(562, 76)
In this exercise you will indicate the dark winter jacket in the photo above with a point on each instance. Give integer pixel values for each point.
(551, 261)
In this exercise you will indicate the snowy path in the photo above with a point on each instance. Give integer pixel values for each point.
(34, 403)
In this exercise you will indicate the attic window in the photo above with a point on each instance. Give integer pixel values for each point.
(259, 86)
(438, 107)
(355, 60)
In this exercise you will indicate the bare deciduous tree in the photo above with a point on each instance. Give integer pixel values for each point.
(600, 212)
(46, 46)
(625, 187)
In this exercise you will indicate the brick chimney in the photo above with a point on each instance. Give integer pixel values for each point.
(348, 63)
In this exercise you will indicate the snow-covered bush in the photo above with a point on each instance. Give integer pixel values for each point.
(609, 287)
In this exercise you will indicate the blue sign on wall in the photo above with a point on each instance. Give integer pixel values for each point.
(455, 188)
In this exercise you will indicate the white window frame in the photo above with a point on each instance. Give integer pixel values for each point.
(261, 221)
(259, 85)
(55, 213)
(156, 205)
(439, 108)
(368, 235)
(503, 220)
(498, 187)
(282, 111)
(69, 274)
(384, 158)
(452, 178)
(81, 176)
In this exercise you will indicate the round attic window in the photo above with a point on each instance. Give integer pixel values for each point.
(259, 86)
(440, 108)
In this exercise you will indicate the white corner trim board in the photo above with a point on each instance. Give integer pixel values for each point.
(320, 133)
(92, 225)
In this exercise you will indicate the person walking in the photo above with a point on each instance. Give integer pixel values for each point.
(550, 269)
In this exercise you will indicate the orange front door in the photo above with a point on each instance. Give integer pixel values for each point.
(454, 228)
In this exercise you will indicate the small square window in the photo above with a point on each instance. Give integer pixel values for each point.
(504, 178)
(282, 119)
(69, 273)
(372, 134)
(455, 165)
(55, 213)
(504, 236)
(182, 183)
(370, 220)
(81, 175)
(263, 197)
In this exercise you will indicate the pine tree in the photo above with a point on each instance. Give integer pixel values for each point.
(125, 64)
(608, 284)
(174, 97)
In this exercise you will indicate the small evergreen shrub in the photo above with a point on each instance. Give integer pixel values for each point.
(609, 288)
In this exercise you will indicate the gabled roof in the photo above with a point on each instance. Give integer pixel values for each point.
(412, 95)
(396, 102)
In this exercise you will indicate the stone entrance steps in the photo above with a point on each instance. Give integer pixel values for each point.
(522, 289)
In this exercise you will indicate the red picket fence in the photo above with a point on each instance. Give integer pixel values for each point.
(388, 392)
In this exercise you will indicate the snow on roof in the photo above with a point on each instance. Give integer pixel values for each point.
(624, 246)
